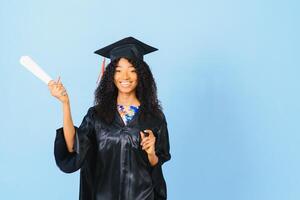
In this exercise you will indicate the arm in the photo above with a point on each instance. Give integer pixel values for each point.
(162, 151)
(68, 126)
(71, 161)
(153, 159)
(162, 146)
(157, 147)
(71, 143)
(57, 90)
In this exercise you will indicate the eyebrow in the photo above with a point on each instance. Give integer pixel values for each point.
(128, 66)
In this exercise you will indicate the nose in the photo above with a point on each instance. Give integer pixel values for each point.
(125, 75)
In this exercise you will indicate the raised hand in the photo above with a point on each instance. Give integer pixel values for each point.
(57, 90)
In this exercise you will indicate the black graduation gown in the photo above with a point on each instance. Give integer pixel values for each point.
(112, 164)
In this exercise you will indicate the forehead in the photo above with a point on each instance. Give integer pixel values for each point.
(124, 63)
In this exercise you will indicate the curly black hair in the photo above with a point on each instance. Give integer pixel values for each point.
(106, 93)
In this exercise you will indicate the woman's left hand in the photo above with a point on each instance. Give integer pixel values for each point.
(148, 142)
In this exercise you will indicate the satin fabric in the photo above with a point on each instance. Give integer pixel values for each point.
(112, 164)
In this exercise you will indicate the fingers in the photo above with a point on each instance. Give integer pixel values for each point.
(150, 133)
(145, 140)
(146, 134)
(55, 82)
(142, 135)
(52, 82)
(58, 80)
(56, 88)
(147, 145)
(63, 92)
(59, 85)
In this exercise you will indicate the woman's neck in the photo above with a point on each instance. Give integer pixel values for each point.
(127, 99)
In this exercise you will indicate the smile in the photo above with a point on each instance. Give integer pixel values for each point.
(125, 83)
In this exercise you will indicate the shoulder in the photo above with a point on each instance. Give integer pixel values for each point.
(161, 118)
(93, 114)
(91, 111)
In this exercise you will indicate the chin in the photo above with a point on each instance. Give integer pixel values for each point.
(126, 91)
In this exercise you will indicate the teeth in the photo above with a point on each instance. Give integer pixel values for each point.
(125, 83)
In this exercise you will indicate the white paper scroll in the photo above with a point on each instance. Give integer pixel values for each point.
(34, 68)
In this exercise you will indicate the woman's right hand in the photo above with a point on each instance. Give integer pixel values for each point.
(57, 90)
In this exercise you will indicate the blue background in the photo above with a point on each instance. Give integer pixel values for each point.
(227, 75)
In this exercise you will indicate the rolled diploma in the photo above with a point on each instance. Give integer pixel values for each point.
(34, 68)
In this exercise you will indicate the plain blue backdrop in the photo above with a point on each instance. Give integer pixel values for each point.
(227, 74)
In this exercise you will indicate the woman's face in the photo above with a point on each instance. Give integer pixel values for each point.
(125, 77)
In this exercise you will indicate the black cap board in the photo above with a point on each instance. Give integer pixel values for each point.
(128, 47)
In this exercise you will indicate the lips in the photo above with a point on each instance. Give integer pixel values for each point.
(125, 83)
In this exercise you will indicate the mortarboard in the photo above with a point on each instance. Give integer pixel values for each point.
(128, 48)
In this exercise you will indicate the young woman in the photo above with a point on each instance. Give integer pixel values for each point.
(123, 139)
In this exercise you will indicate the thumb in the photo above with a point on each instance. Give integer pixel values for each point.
(58, 80)
(142, 135)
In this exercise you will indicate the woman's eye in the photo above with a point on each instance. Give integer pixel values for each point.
(134, 71)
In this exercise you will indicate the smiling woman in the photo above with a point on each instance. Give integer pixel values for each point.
(125, 77)
(123, 140)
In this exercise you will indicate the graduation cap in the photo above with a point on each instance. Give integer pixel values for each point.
(128, 47)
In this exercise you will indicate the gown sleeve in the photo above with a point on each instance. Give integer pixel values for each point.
(162, 150)
(162, 146)
(70, 162)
